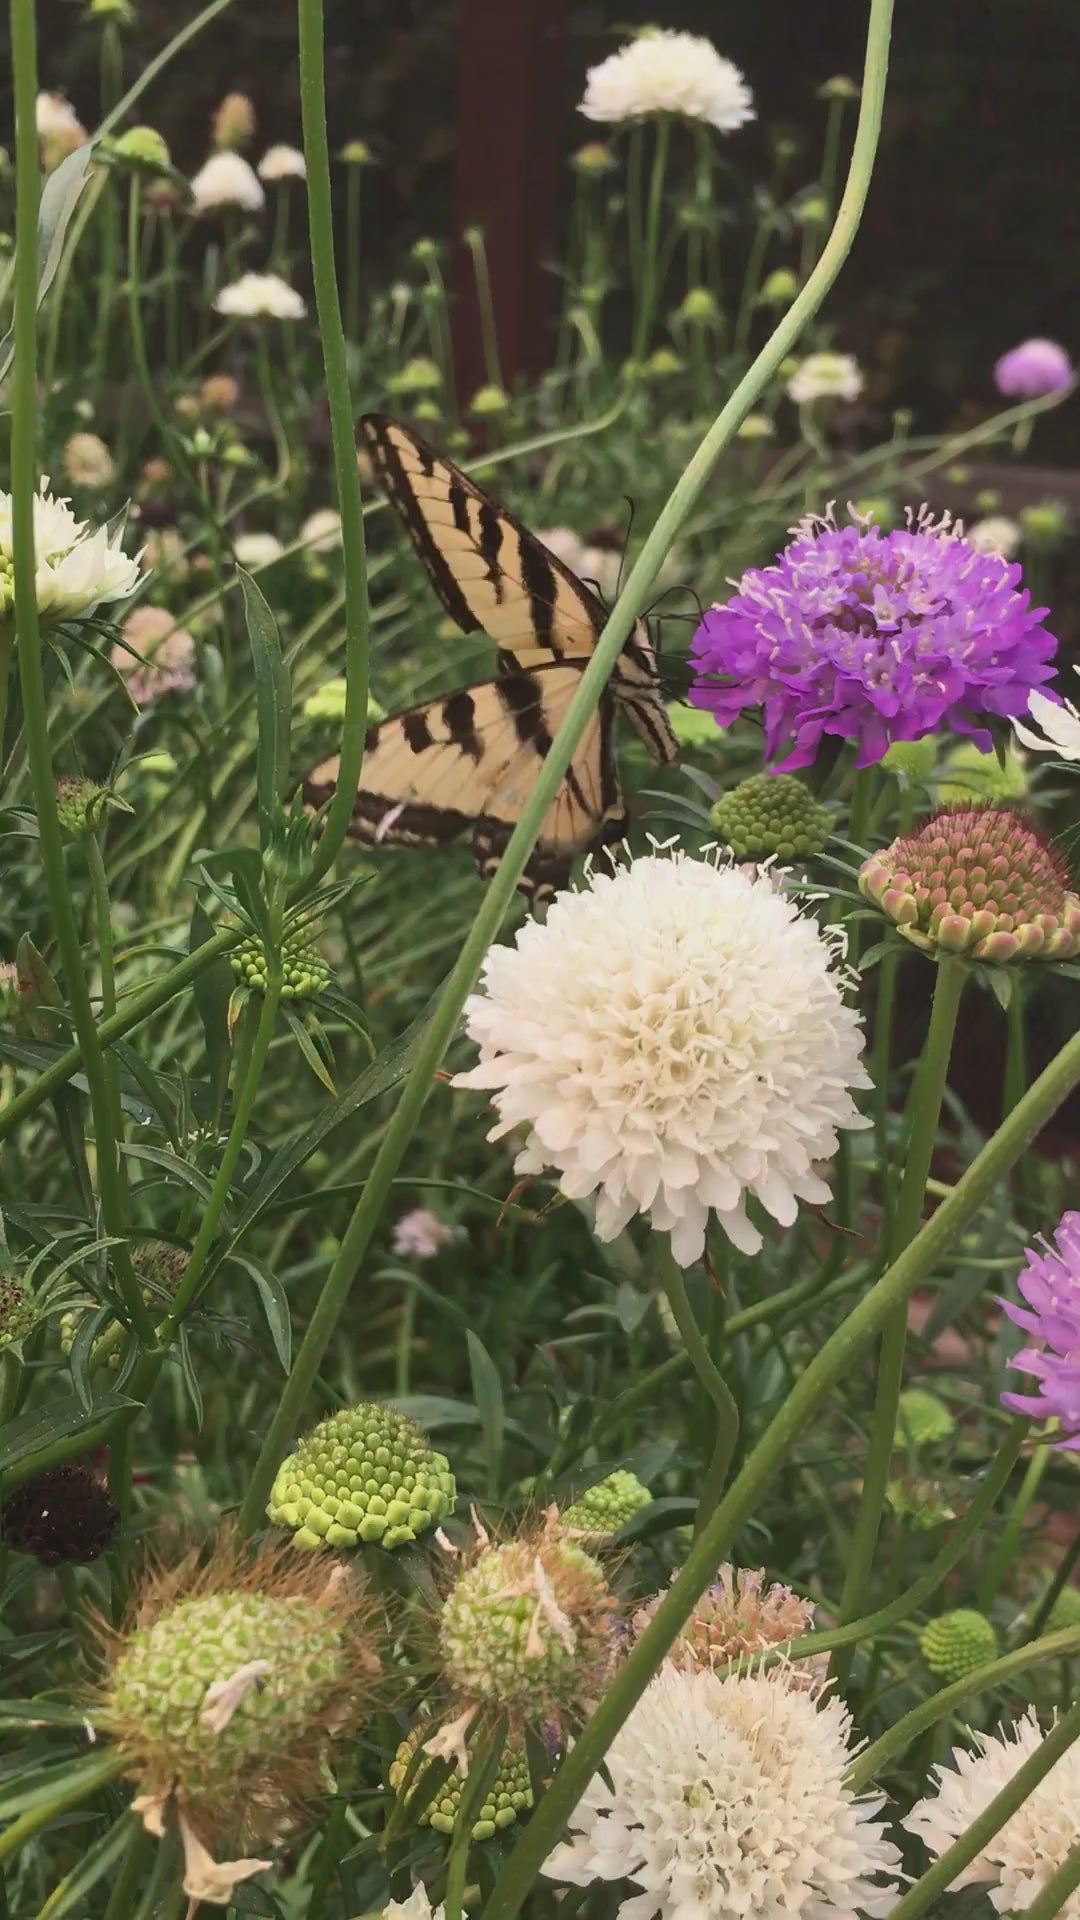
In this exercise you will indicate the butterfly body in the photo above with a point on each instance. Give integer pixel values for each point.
(466, 763)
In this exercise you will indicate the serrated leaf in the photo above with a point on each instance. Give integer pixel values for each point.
(273, 705)
(30, 1434)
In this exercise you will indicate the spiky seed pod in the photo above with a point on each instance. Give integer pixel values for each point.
(978, 882)
(230, 1682)
(526, 1628)
(304, 970)
(509, 1795)
(957, 1643)
(18, 1312)
(924, 1419)
(65, 1514)
(739, 1615)
(771, 814)
(924, 1504)
(605, 1507)
(365, 1474)
(162, 1267)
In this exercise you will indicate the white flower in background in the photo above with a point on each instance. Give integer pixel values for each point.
(995, 534)
(55, 115)
(282, 163)
(1060, 725)
(157, 657)
(667, 72)
(76, 568)
(1023, 1853)
(727, 1802)
(420, 1235)
(226, 180)
(321, 531)
(598, 566)
(257, 549)
(260, 296)
(674, 1038)
(88, 462)
(825, 376)
(417, 1907)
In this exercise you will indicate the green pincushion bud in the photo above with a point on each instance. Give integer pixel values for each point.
(912, 760)
(923, 1419)
(1046, 524)
(80, 805)
(779, 288)
(143, 149)
(958, 1643)
(978, 882)
(509, 1794)
(699, 307)
(328, 702)
(526, 1626)
(1065, 1611)
(356, 153)
(972, 775)
(418, 375)
(489, 400)
(365, 1474)
(693, 727)
(662, 364)
(18, 1313)
(602, 1509)
(304, 970)
(771, 814)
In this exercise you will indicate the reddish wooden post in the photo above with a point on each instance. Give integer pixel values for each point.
(509, 147)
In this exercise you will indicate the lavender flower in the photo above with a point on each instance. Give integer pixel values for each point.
(1033, 368)
(875, 637)
(1050, 1283)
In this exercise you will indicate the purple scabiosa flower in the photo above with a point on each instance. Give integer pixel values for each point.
(872, 636)
(1050, 1283)
(1033, 368)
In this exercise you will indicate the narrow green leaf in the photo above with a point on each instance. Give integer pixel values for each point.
(92, 1322)
(275, 1305)
(310, 1051)
(59, 197)
(211, 990)
(488, 1394)
(179, 1169)
(190, 1377)
(273, 704)
(31, 1433)
(97, 1861)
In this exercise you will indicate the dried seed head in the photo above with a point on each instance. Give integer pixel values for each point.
(64, 1514)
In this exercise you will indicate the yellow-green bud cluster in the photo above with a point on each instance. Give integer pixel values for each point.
(18, 1313)
(508, 1795)
(771, 814)
(364, 1474)
(525, 1627)
(79, 805)
(957, 1643)
(978, 882)
(602, 1509)
(304, 971)
(161, 1690)
(923, 1419)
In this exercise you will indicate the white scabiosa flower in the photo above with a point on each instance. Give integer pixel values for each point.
(321, 531)
(260, 296)
(53, 115)
(77, 568)
(1023, 1853)
(674, 1038)
(226, 180)
(1060, 726)
(996, 534)
(254, 550)
(727, 1800)
(88, 462)
(825, 376)
(282, 163)
(667, 72)
(417, 1907)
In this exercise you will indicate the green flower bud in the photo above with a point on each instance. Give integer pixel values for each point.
(779, 288)
(700, 308)
(328, 703)
(356, 153)
(924, 1504)
(605, 1507)
(973, 775)
(913, 760)
(813, 211)
(838, 88)
(693, 726)
(988, 500)
(364, 1474)
(509, 1795)
(756, 426)
(304, 971)
(924, 1420)
(662, 364)
(526, 1626)
(489, 400)
(18, 1311)
(771, 814)
(1065, 1611)
(428, 410)
(143, 149)
(80, 805)
(419, 375)
(1045, 525)
(425, 251)
(594, 158)
(956, 1644)
(878, 508)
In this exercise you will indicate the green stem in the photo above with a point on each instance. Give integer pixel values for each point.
(830, 1364)
(83, 1779)
(924, 1111)
(99, 887)
(7, 649)
(141, 1006)
(751, 282)
(339, 401)
(1009, 1544)
(710, 1378)
(334, 1839)
(1054, 1893)
(160, 61)
(978, 1835)
(873, 1760)
(35, 710)
(352, 252)
(649, 290)
(486, 306)
(273, 411)
(593, 680)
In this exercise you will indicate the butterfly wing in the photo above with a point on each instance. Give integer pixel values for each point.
(466, 764)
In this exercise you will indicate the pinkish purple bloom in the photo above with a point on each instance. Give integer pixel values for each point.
(874, 637)
(1033, 368)
(420, 1235)
(1050, 1283)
